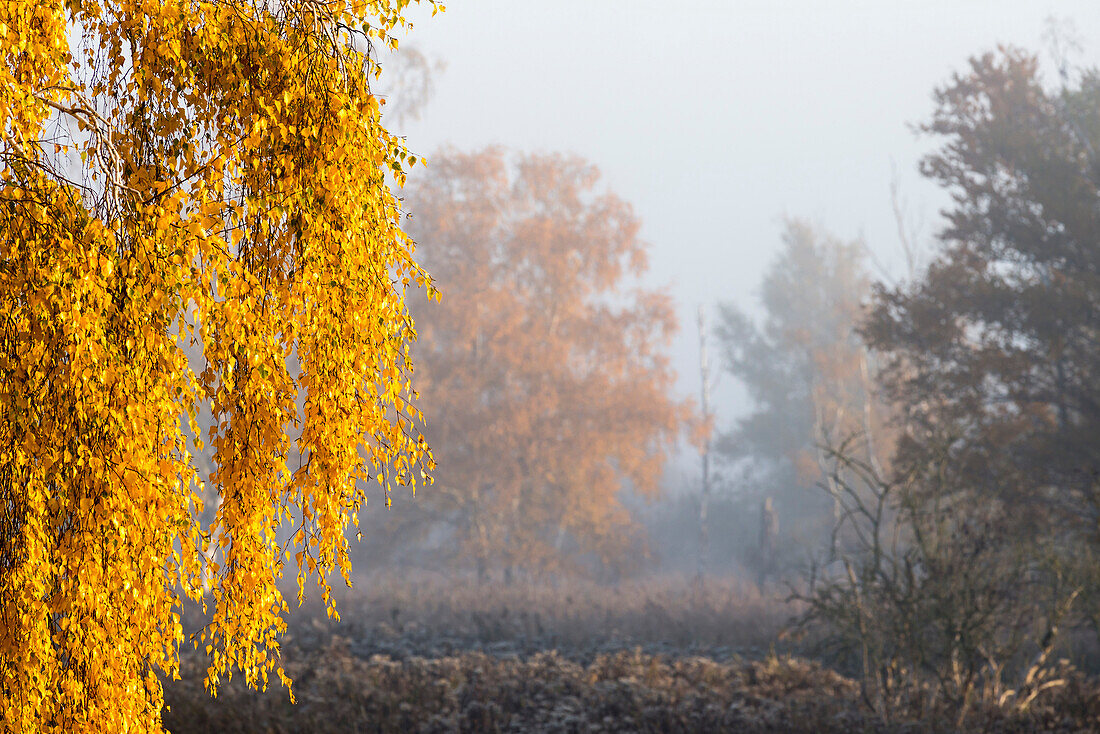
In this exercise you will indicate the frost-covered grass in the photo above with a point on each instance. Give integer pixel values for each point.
(431, 615)
(475, 692)
(663, 655)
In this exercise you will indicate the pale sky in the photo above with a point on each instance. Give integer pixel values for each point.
(714, 118)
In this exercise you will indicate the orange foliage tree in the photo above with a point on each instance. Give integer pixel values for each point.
(543, 362)
(174, 173)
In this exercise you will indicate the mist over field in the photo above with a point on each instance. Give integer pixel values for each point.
(813, 452)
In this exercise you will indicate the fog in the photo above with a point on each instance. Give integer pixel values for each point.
(886, 213)
(720, 125)
(715, 119)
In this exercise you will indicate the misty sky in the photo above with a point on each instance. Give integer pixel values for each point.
(715, 118)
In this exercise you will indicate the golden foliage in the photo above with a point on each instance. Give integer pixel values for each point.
(187, 176)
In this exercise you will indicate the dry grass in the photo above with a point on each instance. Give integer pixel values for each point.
(721, 618)
(427, 655)
(475, 692)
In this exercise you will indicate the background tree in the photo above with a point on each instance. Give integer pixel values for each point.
(409, 84)
(173, 173)
(807, 374)
(975, 548)
(993, 351)
(543, 363)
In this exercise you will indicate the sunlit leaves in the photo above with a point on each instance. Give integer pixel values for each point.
(194, 211)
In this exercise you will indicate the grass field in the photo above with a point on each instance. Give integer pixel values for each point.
(429, 655)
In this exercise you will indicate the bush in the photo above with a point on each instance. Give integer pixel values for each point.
(931, 598)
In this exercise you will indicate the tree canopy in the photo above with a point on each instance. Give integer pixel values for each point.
(993, 350)
(544, 363)
(805, 367)
(187, 176)
(980, 541)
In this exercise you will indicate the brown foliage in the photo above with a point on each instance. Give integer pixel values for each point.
(543, 362)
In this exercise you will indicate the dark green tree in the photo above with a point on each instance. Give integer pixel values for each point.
(978, 542)
(992, 354)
